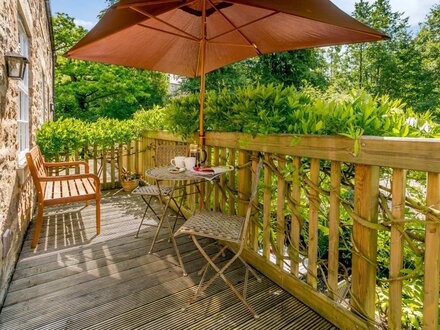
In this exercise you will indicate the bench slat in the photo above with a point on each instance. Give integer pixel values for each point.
(73, 191)
(59, 191)
(89, 187)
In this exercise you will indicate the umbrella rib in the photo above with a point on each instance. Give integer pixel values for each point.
(244, 25)
(168, 32)
(231, 44)
(146, 3)
(238, 30)
(380, 35)
(145, 13)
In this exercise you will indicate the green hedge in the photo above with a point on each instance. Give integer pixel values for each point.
(260, 110)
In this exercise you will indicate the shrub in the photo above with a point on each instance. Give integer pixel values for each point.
(256, 110)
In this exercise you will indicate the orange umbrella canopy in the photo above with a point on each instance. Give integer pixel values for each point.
(193, 37)
(172, 35)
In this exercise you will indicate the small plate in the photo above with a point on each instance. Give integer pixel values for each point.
(177, 170)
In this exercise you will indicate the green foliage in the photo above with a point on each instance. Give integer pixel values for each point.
(292, 68)
(427, 44)
(65, 136)
(261, 110)
(89, 91)
(275, 109)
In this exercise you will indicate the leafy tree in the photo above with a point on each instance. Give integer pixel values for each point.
(292, 68)
(394, 67)
(88, 90)
(428, 45)
(228, 77)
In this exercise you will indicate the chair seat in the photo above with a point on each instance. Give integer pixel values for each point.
(214, 225)
(152, 190)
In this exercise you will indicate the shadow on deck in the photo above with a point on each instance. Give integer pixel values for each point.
(77, 280)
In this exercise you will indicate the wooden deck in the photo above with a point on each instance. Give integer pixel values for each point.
(76, 280)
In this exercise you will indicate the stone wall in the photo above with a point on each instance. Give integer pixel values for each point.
(17, 198)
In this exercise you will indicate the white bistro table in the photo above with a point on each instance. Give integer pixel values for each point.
(179, 182)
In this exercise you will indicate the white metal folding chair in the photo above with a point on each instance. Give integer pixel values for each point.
(231, 232)
(164, 153)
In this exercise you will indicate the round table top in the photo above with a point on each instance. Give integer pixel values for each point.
(163, 173)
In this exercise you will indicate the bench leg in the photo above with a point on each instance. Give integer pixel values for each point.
(38, 226)
(98, 216)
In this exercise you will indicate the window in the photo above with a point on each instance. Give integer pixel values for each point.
(23, 100)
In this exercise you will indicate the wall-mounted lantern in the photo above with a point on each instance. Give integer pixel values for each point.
(15, 65)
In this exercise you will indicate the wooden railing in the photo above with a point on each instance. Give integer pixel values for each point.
(337, 218)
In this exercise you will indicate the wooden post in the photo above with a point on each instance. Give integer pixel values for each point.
(333, 250)
(365, 240)
(312, 269)
(396, 249)
(432, 256)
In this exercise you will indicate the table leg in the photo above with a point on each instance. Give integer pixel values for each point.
(164, 214)
(167, 223)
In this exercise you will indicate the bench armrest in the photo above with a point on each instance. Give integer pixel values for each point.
(68, 164)
(72, 177)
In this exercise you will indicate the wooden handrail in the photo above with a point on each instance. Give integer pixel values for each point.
(304, 185)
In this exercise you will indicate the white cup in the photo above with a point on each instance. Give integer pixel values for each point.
(178, 161)
(190, 162)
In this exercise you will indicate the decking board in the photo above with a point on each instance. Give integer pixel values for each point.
(77, 280)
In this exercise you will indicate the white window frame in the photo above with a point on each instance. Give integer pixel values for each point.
(23, 133)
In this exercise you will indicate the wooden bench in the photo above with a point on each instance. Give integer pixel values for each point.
(61, 189)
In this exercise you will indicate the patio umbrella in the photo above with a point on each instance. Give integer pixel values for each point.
(193, 37)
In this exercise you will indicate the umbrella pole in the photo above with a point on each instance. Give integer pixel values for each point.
(202, 77)
(202, 109)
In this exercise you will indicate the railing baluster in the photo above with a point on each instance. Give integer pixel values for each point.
(244, 177)
(77, 158)
(223, 181)
(112, 166)
(296, 223)
(267, 197)
(432, 256)
(396, 252)
(231, 198)
(365, 240)
(312, 268)
(215, 162)
(333, 251)
(281, 217)
(104, 167)
(120, 161)
(136, 155)
(253, 228)
(95, 159)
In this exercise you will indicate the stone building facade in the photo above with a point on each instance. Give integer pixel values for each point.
(25, 28)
